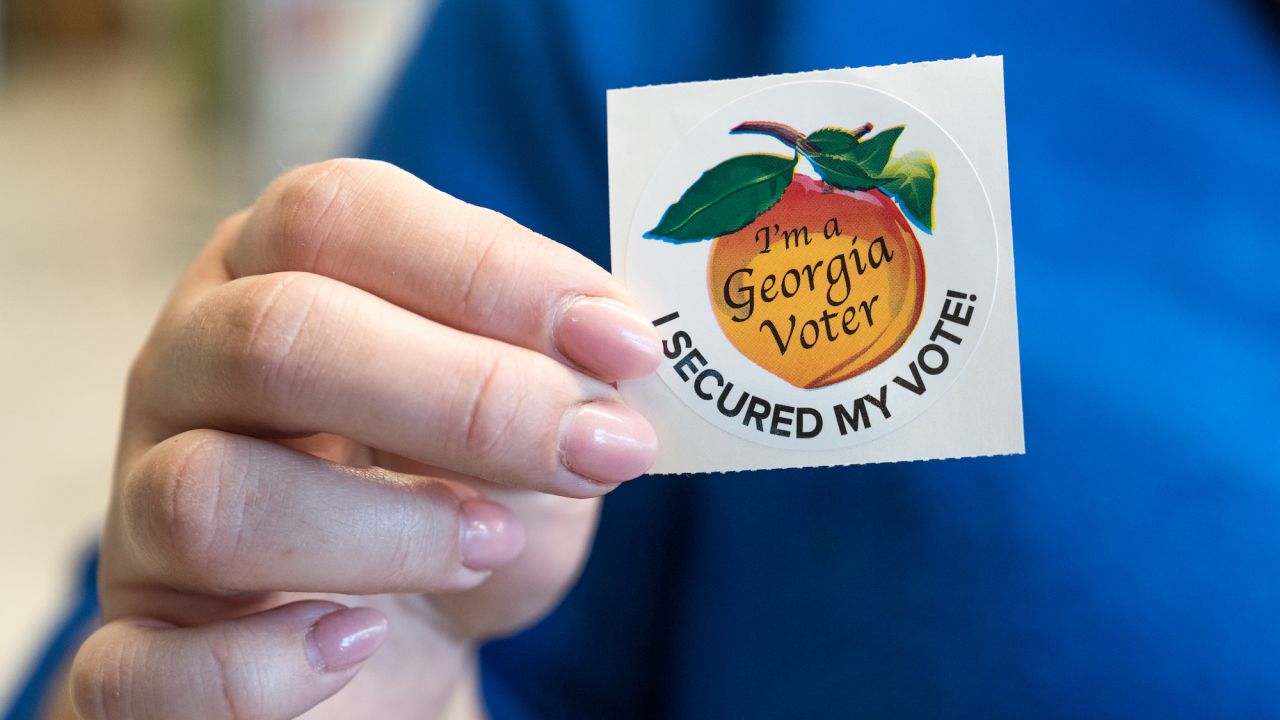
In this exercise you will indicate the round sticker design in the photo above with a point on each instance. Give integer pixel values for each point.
(822, 256)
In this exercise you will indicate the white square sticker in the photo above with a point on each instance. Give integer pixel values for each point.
(828, 257)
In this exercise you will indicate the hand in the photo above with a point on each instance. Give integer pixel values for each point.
(363, 392)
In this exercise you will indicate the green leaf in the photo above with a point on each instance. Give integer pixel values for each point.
(870, 153)
(726, 198)
(843, 172)
(873, 152)
(832, 140)
(912, 179)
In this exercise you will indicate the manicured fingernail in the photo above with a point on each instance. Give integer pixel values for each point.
(608, 339)
(492, 536)
(607, 442)
(345, 638)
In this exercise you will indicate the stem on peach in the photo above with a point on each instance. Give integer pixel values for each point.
(862, 130)
(785, 133)
(789, 135)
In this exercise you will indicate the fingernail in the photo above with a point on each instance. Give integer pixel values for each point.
(492, 536)
(608, 339)
(607, 442)
(345, 638)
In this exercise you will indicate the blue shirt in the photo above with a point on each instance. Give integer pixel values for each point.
(1127, 566)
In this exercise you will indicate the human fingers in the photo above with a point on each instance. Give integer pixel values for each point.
(273, 664)
(217, 513)
(379, 228)
(296, 353)
(523, 591)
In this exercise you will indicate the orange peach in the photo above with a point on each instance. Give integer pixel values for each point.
(823, 286)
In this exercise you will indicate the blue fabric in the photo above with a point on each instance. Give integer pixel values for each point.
(1127, 566)
(78, 620)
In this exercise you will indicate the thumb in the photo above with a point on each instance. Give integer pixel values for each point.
(274, 664)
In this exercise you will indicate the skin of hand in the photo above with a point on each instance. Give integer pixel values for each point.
(369, 430)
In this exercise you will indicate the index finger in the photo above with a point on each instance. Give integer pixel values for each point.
(379, 228)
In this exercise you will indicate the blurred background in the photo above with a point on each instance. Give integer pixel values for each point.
(128, 128)
(1146, 563)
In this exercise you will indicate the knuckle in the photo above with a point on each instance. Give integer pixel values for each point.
(242, 689)
(99, 679)
(186, 505)
(264, 326)
(483, 286)
(494, 407)
(506, 265)
(305, 205)
(512, 264)
(425, 551)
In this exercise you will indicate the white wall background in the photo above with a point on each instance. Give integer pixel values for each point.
(108, 184)
(321, 66)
